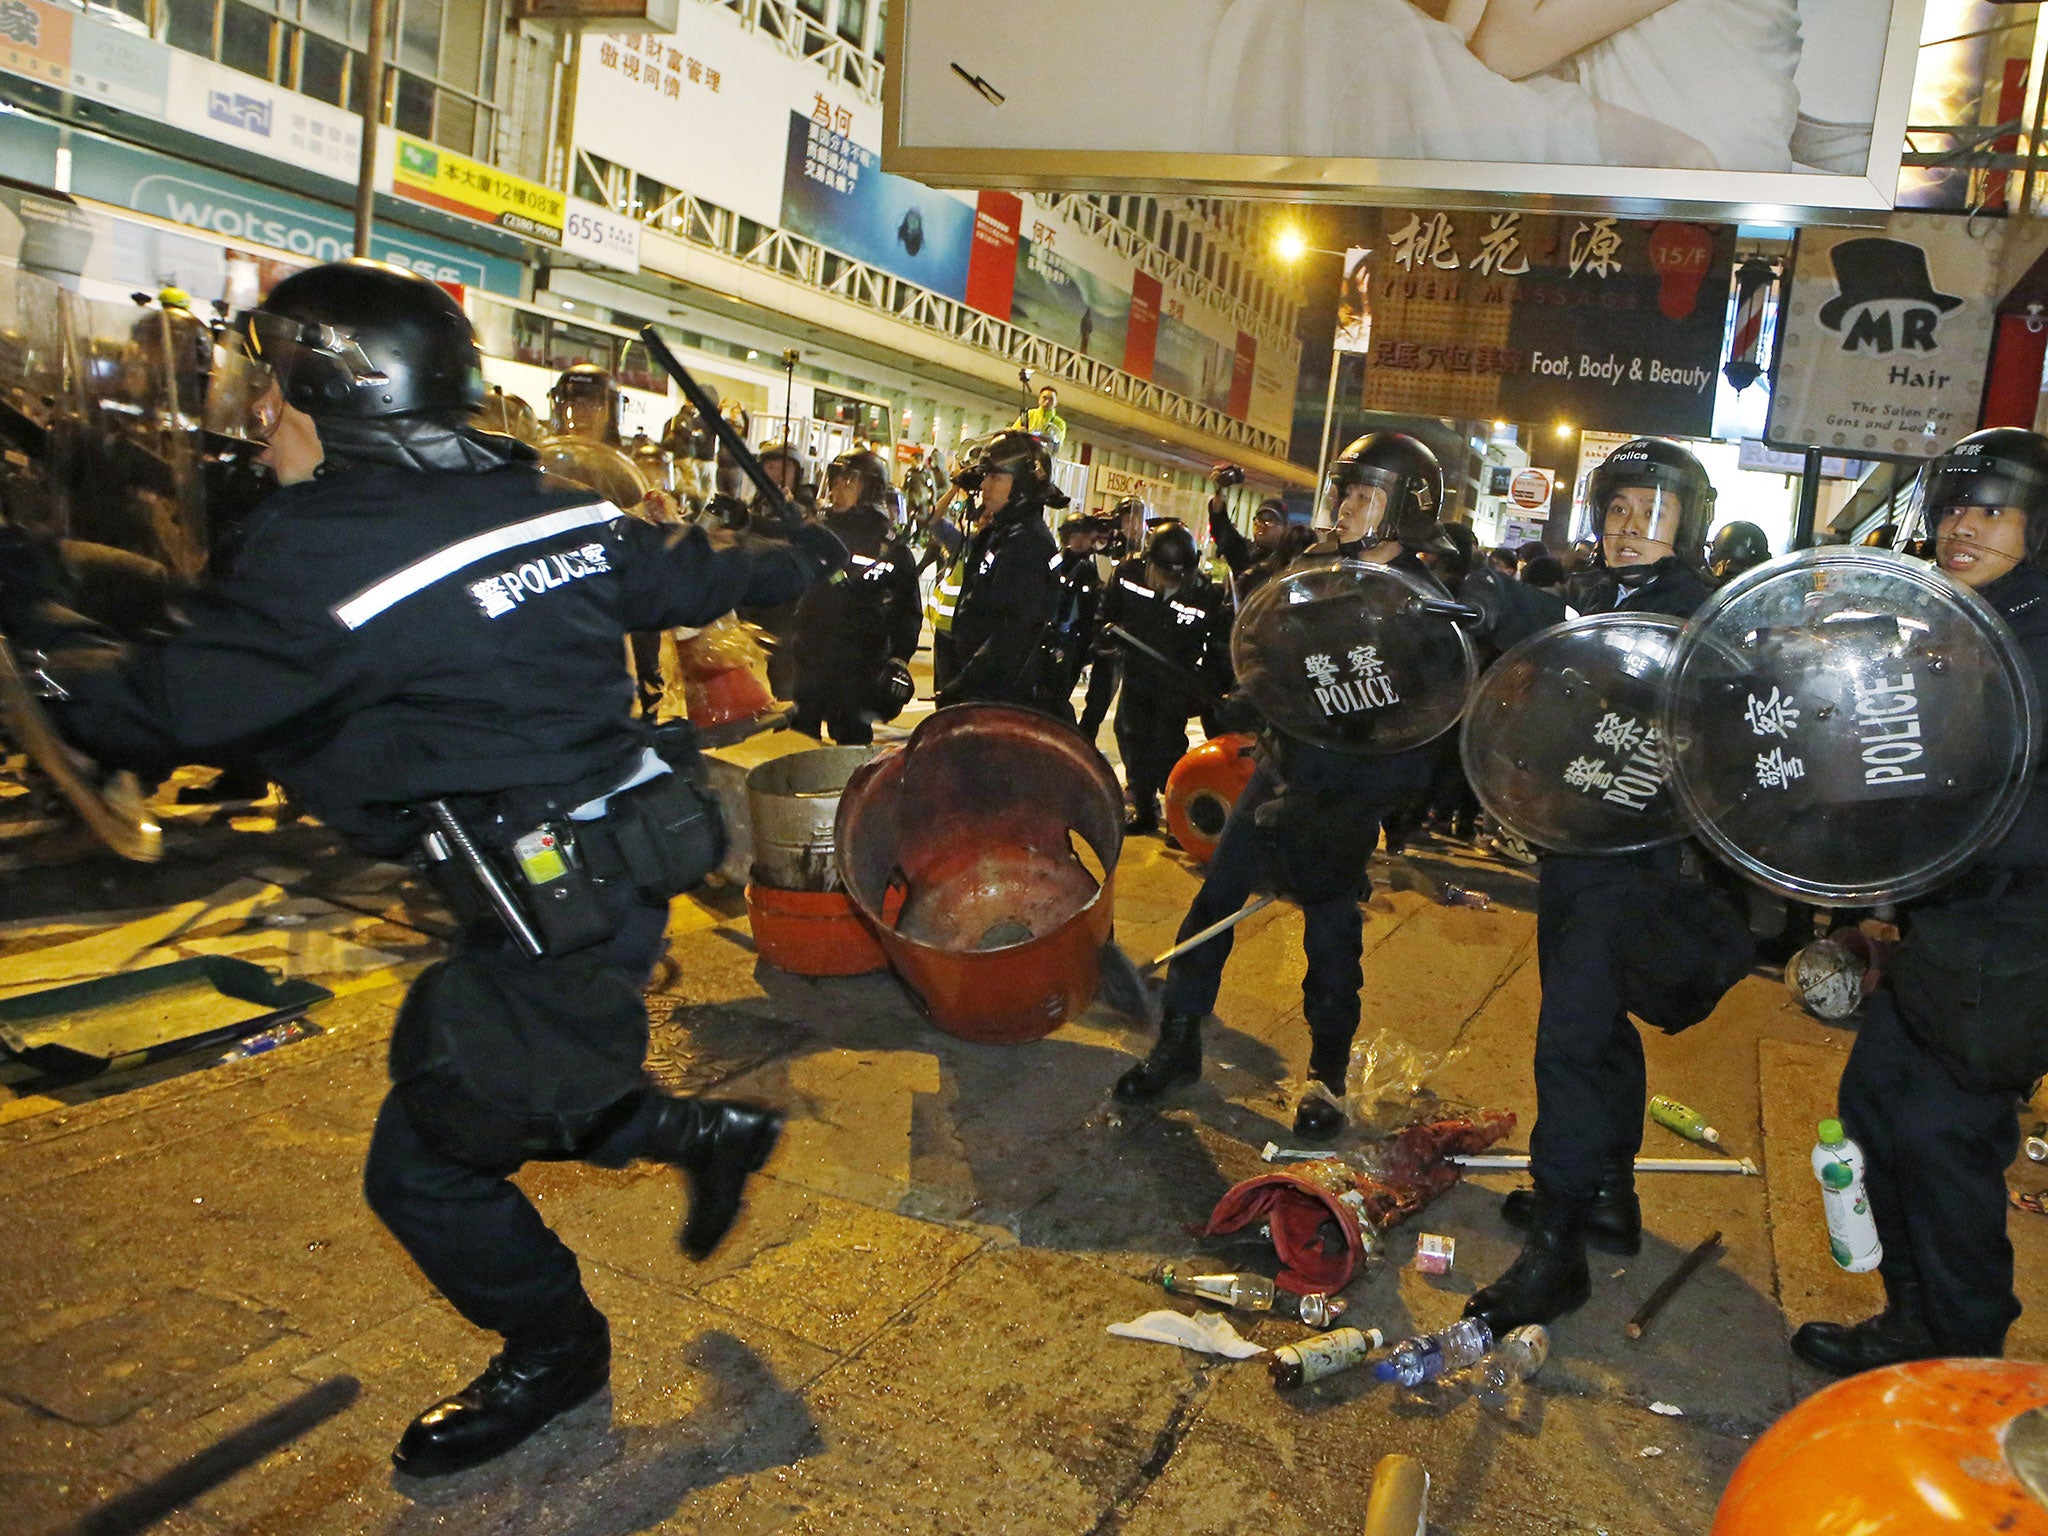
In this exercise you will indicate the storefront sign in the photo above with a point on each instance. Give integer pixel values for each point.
(232, 108)
(87, 57)
(236, 210)
(1530, 490)
(439, 178)
(1883, 338)
(598, 234)
(1113, 485)
(1591, 321)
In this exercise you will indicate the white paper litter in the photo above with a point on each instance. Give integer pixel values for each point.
(1669, 1410)
(1651, 1450)
(1211, 1333)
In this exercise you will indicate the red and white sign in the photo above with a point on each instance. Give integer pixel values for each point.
(1530, 489)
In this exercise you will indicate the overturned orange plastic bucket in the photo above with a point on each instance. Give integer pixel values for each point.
(983, 852)
(1202, 789)
(812, 933)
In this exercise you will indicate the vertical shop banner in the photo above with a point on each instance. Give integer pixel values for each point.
(835, 192)
(1598, 322)
(1883, 339)
(1354, 303)
(1244, 367)
(1141, 337)
(992, 264)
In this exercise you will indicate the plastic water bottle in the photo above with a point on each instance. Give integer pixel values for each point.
(1428, 1356)
(269, 1040)
(1852, 1231)
(1684, 1119)
(1295, 1365)
(1243, 1293)
(1520, 1356)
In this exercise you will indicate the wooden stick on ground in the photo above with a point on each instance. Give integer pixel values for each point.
(1692, 1261)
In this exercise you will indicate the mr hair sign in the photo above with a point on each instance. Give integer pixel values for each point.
(1884, 338)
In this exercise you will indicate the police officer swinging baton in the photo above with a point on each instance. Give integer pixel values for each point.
(707, 411)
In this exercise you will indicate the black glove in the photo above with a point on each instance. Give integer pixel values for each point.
(821, 545)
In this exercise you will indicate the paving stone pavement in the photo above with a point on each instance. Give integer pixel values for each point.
(905, 1332)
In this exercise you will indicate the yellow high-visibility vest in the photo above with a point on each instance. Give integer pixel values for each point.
(946, 596)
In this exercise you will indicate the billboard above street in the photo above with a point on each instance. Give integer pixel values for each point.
(1695, 105)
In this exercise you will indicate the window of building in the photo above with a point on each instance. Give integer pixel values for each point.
(413, 111)
(245, 39)
(323, 68)
(853, 21)
(815, 9)
(881, 26)
(188, 25)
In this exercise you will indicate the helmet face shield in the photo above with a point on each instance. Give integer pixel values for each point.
(1640, 521)
(288, 347)
(244, 398)
(1356, 502)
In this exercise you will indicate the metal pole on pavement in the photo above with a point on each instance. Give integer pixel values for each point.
(1809, 502)
(373, 114)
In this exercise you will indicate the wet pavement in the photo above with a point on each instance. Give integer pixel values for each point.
(905, 1333)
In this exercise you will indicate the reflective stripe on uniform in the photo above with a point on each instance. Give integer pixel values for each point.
(463, 553)
(946, 597)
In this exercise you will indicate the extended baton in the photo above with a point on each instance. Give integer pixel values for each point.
(707, 410)
(1166, 661)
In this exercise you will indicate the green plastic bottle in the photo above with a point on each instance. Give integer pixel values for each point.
(1688, 1122)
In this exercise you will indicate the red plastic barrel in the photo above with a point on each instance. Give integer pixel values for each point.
(812, 933)
(1202, 788)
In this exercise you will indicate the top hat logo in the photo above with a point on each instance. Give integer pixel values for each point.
(1875, 270)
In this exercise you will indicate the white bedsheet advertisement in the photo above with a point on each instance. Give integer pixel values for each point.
(1690, 100)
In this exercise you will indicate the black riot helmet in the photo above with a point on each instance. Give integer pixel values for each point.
(868, 470)
(1173, 549)
(782, 453)
(1024, 458)
(1685, 501)
(584, 402)
(1737, 548)
(1998, 467)
(361, 339)
(1404, 468)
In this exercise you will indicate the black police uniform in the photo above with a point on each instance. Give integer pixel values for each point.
(1934, 1109)
(1008, 597)
(851, 626)
(1189, 627)
(391, 636)
(1315, 846)
(1106, 657)
(1071, 637)
(1590, 1074)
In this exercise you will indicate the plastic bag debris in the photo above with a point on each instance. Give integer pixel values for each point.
(1387, 1085)
(1210, 1334)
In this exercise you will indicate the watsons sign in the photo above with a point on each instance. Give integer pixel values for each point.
(239, 210)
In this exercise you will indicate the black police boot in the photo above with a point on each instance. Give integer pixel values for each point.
(1176, 1057)
(1614, 1221)
(1896, 1334)
(1549, 1278)
(1318, 1116)
(1319, 1112)
(532, 1380)
(1144, 818)
(719, 1144)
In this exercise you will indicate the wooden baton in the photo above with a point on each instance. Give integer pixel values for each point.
(1692, 1261)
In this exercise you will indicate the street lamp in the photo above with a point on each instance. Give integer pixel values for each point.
(1290, 246)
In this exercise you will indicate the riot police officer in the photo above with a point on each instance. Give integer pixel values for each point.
(1124, 549)
(1008, 593)
(1272, 547)
(1737, 548)
(1310, 818)
(851, 628)
(1652, 502)
(420, 618)
(1175, 663)
(1070, 639)
(1957, 1034)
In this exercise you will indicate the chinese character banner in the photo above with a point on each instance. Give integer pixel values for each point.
(835, 192)
(1602, 323)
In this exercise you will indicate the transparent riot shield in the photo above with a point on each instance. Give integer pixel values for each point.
(603, 468)
(1562, 741)
(1849, 726)
(33, 486)
(136, 379)
(1361, 658)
